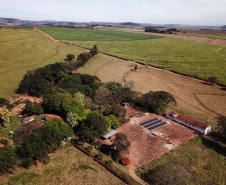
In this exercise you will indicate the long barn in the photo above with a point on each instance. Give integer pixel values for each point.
(191, 123)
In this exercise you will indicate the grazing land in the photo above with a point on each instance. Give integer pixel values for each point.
(25, 49)
(200, 159)
(80, 34)
(194, 99)
(68, 166)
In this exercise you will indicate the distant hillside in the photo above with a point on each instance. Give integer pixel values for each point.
(223, 27)
(130, 24)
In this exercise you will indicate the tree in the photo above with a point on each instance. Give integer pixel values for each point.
(32, 108)
(103, 96)
(8, 158)
(109, 162)
(4, 117)
(94, 125)
(114, 122)
(121, 143)
(222, 127)
(212, 79)
(94, 50)
(72, 119)
(135, 67)
(70, 56)
(79, 96)
(62, 128)
(100, 156)
(3, 102)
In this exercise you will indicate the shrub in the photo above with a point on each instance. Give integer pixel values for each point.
(3, 102)
(125, 161)
(4, 141)
(70, 56)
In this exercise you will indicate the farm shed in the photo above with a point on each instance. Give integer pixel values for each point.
(191, 123)
(110, 133)
(125, 104)
(49, 116)
(28, 119)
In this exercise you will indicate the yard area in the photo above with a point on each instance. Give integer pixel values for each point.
(146, 146)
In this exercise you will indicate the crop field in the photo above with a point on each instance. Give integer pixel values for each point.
(26, 49)
(80, 34)
(69, 166)
(195, 99)
(201, 160)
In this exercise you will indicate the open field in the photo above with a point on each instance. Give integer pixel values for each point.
(68, 166)
(93, 34)
(195, 99)
(203, 161)
(195, 59)
(148, 145)
(26, 49)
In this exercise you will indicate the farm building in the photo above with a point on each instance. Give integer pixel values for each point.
(191, 123)
(28, 119)
(110, 133)
(125, 104)
(49, 116)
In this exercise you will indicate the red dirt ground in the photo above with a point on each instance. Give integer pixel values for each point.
(145, 146)
(10, 141)
(18, 109)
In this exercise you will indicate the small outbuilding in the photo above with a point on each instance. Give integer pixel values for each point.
(28, 119)
(189, 122)
(126, 104)
(109, 134)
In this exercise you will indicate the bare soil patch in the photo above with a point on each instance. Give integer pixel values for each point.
(18, 109)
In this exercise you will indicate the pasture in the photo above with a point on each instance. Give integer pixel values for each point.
(26, 49)
(201, 161)
(194, 99)
(80, 34)
(68, 166)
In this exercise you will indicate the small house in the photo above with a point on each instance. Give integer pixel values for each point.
(28, 119)
(191, 123)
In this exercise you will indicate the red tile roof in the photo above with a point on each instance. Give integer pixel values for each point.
(188, 120)
(54, 116)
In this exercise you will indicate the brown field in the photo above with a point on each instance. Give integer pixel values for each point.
(69, 167)
(215, 41)
(148, 145)
(194, 98)
(204, 31)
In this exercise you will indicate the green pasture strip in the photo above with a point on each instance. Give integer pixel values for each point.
(24, 49)
(202, 157)
(14, 125)
(217, 36)
(191, 58)
(80, 34)
(68, 166)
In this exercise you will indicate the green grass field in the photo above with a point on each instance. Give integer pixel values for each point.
(93, 34)
(26, 49)
(69, 166)
(202, 159)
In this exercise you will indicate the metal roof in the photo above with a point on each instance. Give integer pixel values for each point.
(110, 133)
